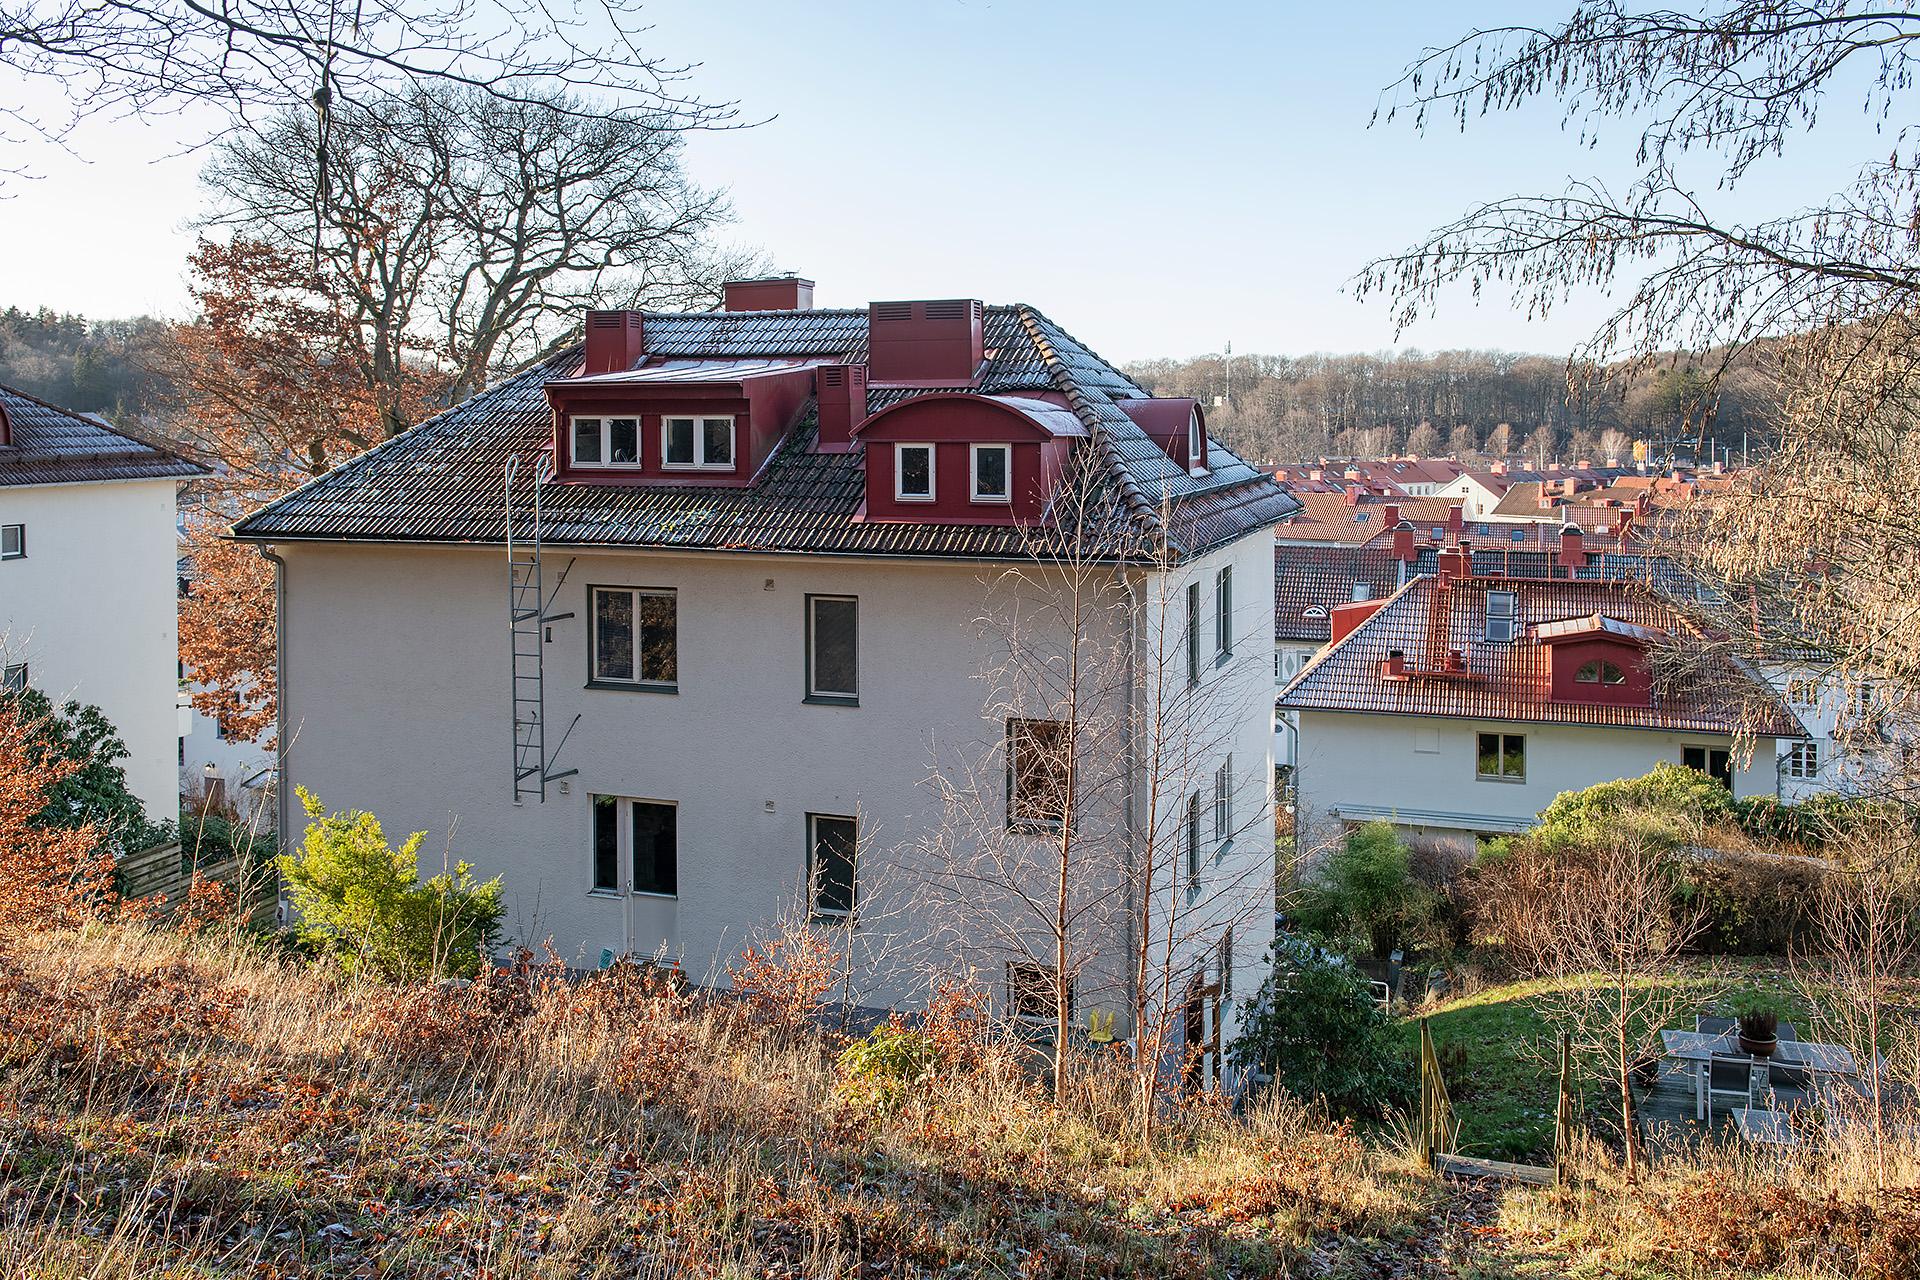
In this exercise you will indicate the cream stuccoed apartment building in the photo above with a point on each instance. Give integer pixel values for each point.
(1462, 703)
(751, 626)
(88, 548)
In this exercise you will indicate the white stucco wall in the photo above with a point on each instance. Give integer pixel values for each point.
(396, 698)
(91, 610)
(1420, 771)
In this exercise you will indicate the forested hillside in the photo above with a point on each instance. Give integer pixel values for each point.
(93, 366)
(1290, 408)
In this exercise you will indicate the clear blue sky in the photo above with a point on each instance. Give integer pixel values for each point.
(1160, 178)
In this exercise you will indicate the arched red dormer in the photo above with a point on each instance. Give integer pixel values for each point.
(966, 458)
(1601, 660)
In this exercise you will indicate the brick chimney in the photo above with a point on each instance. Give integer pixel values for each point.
(841, 393)
(931, 344)
(769, 293)
(1499, 466)
(1390, 515)
(614, 341)
(1394, 665)
(1573, 548)
(1351, 495)
(1456, 562)
(1402, 538)
(1456, 518)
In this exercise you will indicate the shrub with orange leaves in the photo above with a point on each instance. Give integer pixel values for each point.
(48, 876)
(784, 978)
(1722, 1223)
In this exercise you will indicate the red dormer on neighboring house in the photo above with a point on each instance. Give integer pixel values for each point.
(1176, 424)
(1598, 659)
(963, 458)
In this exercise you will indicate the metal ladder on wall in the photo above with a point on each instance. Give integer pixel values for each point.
(528, 606)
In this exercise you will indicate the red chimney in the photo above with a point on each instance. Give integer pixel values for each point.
(769, 293)
(1402, 539)
(1456, 518)
(1351, 495)
(1391, 515)
(614, 341)
(927, 344)
(841, 391)
(1573, 548)
(1394, 665)
(1454, 562)
(1345, 618)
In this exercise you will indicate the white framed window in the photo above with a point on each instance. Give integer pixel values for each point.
(992, 469)
(1193, 838)
(13, 542)
(913, 473)
(1599, 671)
(640, 837)
(833, 649)
(1196, 446)
(613, 443)
(832, 846)
(13, 677)
(1803, 760)
(1223, 611)
(1502, 757)
(634, 637)
(696, 444)
(1500, 616)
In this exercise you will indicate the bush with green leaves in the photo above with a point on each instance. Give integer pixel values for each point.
(1314, 1026)
(96, 791)
(1668, 806)
(1367, 889)
(882, 1069)
(363, 901)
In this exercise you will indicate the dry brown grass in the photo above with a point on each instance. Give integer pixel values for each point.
(174, 1105)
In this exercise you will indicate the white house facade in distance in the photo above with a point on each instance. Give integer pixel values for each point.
(1463, 704)
(768, 538)
(87, 578)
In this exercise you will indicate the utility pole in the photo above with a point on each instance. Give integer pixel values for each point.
(1229, 373)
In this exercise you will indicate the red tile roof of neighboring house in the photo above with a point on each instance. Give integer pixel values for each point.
(1309, 582)
(46, 444)
(1328, 518)
(1509, 680)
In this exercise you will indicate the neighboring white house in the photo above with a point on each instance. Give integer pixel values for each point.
(1464, 703)
(87, 582)
(765, 555)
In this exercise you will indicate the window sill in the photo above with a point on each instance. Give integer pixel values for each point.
(990, 502)
(614, 895)
(624, 686)
(921, 499)
(1481, 777)
(1226, 847)
(1027, 827)
(1222, 658)
(727, 468)
(830, 700)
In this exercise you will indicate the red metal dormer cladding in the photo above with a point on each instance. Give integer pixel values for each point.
(6, 429)
(963, 458)
(1600, 660)
(1176, 423)
(937, 343)
(682, 422)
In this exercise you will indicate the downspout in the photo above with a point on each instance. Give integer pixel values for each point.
(282, 797)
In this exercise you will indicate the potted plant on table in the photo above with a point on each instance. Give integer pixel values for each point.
(1758, 1014)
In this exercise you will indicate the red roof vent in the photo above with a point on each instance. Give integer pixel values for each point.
(841, 392)
(769, 293)
(614, 341)
(928, 344)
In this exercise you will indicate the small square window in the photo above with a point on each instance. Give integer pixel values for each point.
(634, 636)
(1502, 757)
(13, 677)
(13, 541)
(992, 471)
(1803, 760)
(697, 444)
(1030, 992)
(586, 442)
(913, 472)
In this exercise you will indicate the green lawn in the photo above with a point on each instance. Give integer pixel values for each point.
(1504, 1093)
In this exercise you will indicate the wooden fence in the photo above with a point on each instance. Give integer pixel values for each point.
(167, 870)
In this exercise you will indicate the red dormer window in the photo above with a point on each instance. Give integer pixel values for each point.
(696, 444)
(913, 466)
(992, 472)
(606, 442)
(963, 458)
(1599, 672)
(1599, 659)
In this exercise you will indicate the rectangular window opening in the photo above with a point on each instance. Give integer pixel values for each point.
(1030, 992)
(1037, 752)
(643, 837)
(1223, 612)
(697, 444)
(833, 648)
(992, 472)
(13, 542)
(1500, 616)
(913, 473)
(13, 677)
(832, 849)
(1193, 633)
(634, 636)
(1502, 757)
